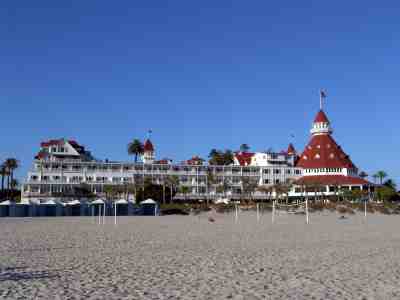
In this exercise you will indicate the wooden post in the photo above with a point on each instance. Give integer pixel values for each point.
(273, 211)
(115, 213)
(307, 217)
(236, 213)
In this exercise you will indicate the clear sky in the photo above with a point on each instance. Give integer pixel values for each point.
(201, 75)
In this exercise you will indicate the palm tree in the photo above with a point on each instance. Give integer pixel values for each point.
(381, 175)
(135, 148)
(3, 174)
(244, 148)
(11, 164)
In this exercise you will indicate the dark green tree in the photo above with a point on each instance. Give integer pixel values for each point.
(135, 148)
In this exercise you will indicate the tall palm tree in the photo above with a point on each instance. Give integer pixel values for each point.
(135, 148)
(11, 164)
(381, 175)
(3, 174)
(14, 184)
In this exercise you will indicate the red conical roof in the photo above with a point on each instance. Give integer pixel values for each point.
(291, 149)
(323, 152)
(148, 146)
(321, 117)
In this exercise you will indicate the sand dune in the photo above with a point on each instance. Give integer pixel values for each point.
(178, 257)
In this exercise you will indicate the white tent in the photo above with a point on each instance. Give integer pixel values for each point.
(121, 201)
(74, 202)
(148, 201)
(98, 201)
(49, 202)
(222, 201)
(7, 202)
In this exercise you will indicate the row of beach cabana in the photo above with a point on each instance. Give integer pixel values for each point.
(53, 208)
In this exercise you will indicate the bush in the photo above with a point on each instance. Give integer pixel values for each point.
(343, 209)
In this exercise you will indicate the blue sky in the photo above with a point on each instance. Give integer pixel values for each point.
(201, 75)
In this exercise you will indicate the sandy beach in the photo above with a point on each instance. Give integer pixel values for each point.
(188, 257)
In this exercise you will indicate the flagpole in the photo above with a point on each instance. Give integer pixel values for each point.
(320, 99)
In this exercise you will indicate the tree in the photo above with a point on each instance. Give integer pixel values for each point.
(249, 185)
(286, 188)
(381, 175)
(390, 184)
(385, 193)
(184, 190)
(223, 187)
(267, 190)
(111, 191)
(3, 174)
(244, 148)
(11, 164)
(135, 148)
(220, 158)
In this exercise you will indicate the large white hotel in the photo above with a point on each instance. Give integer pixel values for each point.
(62, 165)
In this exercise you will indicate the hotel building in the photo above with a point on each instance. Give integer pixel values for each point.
(63, 165)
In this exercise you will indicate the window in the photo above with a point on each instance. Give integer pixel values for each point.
(297, 172)
(266, 181)
(277, 181)
(277, 171)
(288, 171)
(266, 171)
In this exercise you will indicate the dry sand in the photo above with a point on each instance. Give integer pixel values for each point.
(177, 257)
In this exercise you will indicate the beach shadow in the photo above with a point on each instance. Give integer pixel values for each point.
(16, 274)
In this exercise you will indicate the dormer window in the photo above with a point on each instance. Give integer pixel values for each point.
(332, 156)
(317, 156)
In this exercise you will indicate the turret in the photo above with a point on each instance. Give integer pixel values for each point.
(148, 152)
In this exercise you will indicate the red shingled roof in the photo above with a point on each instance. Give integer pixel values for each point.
(323, 152)
(195, 161)
(51, 143)
(148, 146)
(321, 117)
(244, 158)
(332, 180)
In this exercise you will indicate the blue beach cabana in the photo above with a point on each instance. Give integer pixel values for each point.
(149, 207)
(5, 210)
